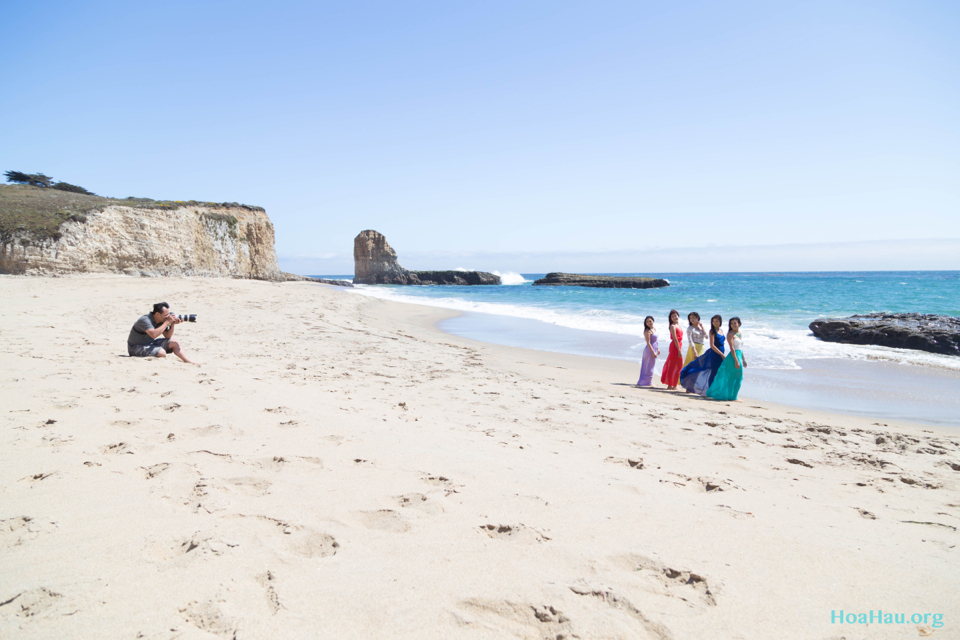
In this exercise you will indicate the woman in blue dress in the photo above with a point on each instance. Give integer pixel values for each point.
(697, 376)
(726, 386)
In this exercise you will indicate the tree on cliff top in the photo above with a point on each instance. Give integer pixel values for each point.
(33, 179)
(44, 181)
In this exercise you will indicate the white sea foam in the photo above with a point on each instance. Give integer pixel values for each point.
(768, 344)
(510, 277)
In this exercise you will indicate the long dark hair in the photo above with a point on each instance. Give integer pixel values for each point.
(730, 324)
(713, 329)
(692, 313)
(645, 327)
(670, 317)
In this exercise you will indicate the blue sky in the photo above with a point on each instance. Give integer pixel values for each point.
(501, 132)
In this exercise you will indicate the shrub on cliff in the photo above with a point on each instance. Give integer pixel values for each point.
(72, 188)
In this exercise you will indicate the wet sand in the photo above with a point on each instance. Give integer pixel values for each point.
(876, 389)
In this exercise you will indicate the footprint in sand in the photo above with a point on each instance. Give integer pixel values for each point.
(661, 578)
(31, 604)
(287, 537)
(210, 430)
(206, 616)
(518, 619)
(249, 485)
(16, 531)
(383, 520)
(120, 447)
(420, 502)
(174, 553)
(705, 484)
(154, 470)
(633, 463)
(40, 477)
(519, 532)
(268, 581)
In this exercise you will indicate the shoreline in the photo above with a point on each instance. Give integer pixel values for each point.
(350, 470)
(877, 389)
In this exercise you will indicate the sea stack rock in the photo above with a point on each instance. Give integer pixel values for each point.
(375, 262)
(604, 282)
(924, 332)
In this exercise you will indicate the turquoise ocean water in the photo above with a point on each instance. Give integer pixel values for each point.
(776, 309)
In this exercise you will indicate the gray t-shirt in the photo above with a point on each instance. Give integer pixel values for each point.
(138, 334)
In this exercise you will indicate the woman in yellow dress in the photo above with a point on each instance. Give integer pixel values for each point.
(695, 336)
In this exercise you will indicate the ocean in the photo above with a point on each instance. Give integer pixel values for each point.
(787, 363)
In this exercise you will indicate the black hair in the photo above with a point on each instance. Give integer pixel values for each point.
(713, 329)
(670, 317)
(645, 327)
(160, 306)
(730, 324)
(693, 313)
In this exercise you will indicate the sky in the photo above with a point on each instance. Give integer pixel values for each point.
(525, 136)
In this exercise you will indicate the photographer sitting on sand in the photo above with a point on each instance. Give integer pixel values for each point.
(150, 335)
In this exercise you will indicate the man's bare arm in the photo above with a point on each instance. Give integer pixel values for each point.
(156, 333)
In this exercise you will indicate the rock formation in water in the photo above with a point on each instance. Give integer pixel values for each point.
(375, 262)
(47, 233)
(924, 332)
(604, 282)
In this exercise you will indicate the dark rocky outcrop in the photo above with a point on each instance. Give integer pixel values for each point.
(924, 332)
(375, 262)
(604, 282)
(292, 277)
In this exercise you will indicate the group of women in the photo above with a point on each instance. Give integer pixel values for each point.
(705, 371)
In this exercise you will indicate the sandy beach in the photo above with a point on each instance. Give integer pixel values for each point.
(340, 468)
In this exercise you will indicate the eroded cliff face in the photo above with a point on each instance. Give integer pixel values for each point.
(204, 240)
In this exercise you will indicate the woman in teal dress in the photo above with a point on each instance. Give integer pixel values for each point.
(726, 386)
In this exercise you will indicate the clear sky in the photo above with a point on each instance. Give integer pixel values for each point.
(503, 130)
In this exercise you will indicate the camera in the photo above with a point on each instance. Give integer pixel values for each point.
(191, 317)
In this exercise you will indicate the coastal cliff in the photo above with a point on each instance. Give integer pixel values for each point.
(375, 262)
(45, 233)
(603, 282)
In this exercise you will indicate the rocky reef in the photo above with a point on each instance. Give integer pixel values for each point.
(292, 277)
(87, 234)
(375, 262)
(924, 332)
(604, 282)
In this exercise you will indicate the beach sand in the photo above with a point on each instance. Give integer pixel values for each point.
(339, 468)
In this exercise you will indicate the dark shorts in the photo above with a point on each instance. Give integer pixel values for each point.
(152, 349)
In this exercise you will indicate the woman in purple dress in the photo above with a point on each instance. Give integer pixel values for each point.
(650, 353)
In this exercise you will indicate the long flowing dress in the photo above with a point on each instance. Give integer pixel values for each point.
(647, 363)
(694, 344)
(670, 375)
(726, 386)
(697, 376)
